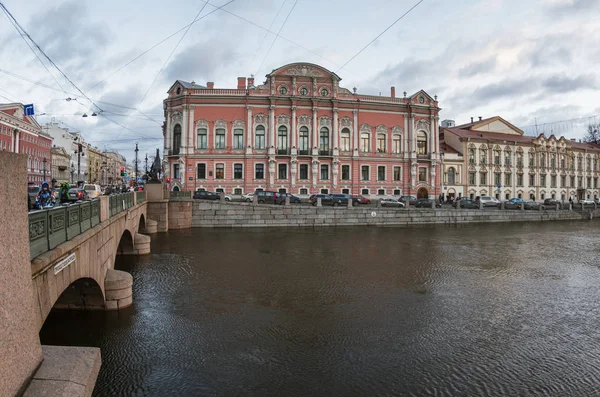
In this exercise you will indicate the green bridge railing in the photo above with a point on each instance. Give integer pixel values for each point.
(181, 195)
(48, 228)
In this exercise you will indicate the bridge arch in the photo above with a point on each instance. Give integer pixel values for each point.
(125, 246)
(142, 224)
(83, 294)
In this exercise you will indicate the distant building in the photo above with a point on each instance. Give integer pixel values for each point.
(115, 161)
(300, 132)
(97, 165)
(493, 157)
(75, 146)
(60, 165)
(23, 134)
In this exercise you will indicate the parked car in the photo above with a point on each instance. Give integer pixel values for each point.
(138, 189)
(344, 198)
(326, 199)
(248, 197)
(586, 202)
(412, 200)
(32, 192)
(391, 202)
(551, 201)
(487, 201)
(468, 203)
(92, 190)
(206, 195)
(513, 203)
(531, 205)
(266, 197)
(77, 195)
(427, 203)
(293, 199)
(358, 199)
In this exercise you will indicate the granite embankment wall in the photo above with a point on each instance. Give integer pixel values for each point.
(208, 214)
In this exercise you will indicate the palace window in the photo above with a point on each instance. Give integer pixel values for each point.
(237, 191)
(303, 140)
(220, 138)
(483, 178)
(381, 143)
(507, 180)
(397, 173)
(543, 180)
(364, 191)
(506, 158)
(220, 171)
(572, 182)
(176, 171)
(483, 156)
(364, 173)
(282, 139)
(364, 142)
(345, 172)
(497, 154)
(595, 183)
(303, 171)
(176, 139)
(345, 140)
(238, 171)
(422, 174)
(451, 176)
(238, 138)
(324, 141)
(520, 159)
(542, 159)
(396, 192)
(519, 179)
(553, 160)
(563, 181)
(421, 142)
(303, 191)
(396, 143)
(345, 191)
(381, 192)
(552, 180)
(497, 179)
(471, 178)
(201, 171)
(259, 171)
(324, 172)
(588, 164)
(471, 156)
(531, 180)
(202, 138)
(579, 164)
(282, 171)
(381, 173)
(531, 160)
(580, 182)
(589, 182)
(259, 137)
(562, 162)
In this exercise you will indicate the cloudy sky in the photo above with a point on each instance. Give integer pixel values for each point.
(527, 61)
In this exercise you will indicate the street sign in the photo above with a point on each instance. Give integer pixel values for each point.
(28, 109)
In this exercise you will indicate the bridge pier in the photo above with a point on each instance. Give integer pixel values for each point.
(118, 289)
(141, 245)
(151, 227)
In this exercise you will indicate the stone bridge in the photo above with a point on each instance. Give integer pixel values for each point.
(73, 250)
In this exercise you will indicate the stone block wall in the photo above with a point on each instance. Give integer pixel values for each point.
(180, 214)
(158, 211)
(207, 214)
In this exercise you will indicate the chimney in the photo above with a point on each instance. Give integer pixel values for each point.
(471, 117)
(210, 85)
(393, 90)
(251, 82)
(241, 83)
(480, 118)
(573, 140)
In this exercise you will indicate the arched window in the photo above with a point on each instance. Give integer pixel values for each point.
(542, 160)
(202, 138)
(381, 143)
(421, 142)
(259, 137)
(282, 140)
(396, 143)
(324, 141)
(364, 142)
(176, 139)
(345, 140)
(220, 138)
(238, 138)
(303, 144)
(451, 176)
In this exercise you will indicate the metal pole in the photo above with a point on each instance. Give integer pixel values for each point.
(44, 168)
(136, 163)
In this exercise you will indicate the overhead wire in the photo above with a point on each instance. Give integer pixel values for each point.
(380, 34)
(267, 32)
(275, 39)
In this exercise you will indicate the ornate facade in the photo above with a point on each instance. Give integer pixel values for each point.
(493, 157)
(300, 132)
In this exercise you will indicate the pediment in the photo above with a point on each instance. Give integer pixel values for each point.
(421, 98)
(497, 125)
(302, 69)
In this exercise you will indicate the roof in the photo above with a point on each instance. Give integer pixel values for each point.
(303, 69)
(480, 123)
(445, 148)
(192, 85)
(491, 136)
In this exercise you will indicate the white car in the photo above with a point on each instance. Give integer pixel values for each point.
(248, 197)
(587, 202)
(391, 202)
(92, 190)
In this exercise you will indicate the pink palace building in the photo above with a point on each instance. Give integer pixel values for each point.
(300, 133)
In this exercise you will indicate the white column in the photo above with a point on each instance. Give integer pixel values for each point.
(436, 120)
(411, 134)
(335, 133)
(355, 132)
(315, 140)
(249, 131)
(405, 145)
(271, 126)
(184, 130)
(293, 139)
(191, 132)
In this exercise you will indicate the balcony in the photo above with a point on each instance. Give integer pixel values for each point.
(324, 152)
(303, 152)
(283, 152)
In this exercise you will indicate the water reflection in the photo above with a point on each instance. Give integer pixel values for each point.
(475, 310)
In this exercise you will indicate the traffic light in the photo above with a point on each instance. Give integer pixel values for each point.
(123, 171)
(168, 180)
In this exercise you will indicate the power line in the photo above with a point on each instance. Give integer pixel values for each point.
(275, 39)
(267, 32)
(380, 34)
(159, 43)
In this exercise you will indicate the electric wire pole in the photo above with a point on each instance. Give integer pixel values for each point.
(136, 163)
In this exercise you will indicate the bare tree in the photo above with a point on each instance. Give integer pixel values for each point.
(592, 134)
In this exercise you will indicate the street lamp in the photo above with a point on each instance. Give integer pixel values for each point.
(72, 171)
(44, 161)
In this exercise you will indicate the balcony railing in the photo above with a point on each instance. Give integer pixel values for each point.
(303, 152)
(181, 195)
(283, 152)
(324, 152)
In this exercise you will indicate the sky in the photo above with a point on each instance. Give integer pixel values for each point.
(531, 62)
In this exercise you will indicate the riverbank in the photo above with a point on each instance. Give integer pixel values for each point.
(211, 214)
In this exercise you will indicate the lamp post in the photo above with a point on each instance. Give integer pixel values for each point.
(72, 171)
(44, 161)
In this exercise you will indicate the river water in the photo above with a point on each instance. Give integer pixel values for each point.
(476, 310)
